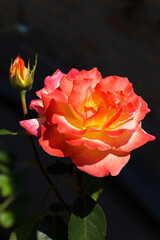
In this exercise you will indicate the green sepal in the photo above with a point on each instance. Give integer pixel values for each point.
(34, 67)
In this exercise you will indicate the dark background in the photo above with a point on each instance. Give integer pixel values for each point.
(119, 37)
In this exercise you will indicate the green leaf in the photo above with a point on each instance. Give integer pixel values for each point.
(42, 236)
(59, 168)
(7, 219)
(52, 227)
(87, 220)
(41, 227)
(93, 186)
(6, 161)
(7, 157)
(4, 168)
(7, 132)
(5, 185)
(28, 230)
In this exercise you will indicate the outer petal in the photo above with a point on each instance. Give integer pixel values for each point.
(127, 142)
(73, 73)
(93, 74)
(51, 141)
(100, 164)
(51, 83)
(40, 92)
(33, 126)
(38, 106)
(114, 84)
(56, 96)
(142, 111)
(66, 83)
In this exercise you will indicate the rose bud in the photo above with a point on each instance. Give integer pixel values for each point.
(21, 77)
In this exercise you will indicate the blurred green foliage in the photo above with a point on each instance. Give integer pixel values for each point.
(13, 201)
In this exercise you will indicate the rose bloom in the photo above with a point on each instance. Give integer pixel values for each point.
(96, 121)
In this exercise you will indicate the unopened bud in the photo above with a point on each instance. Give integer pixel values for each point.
(21, 77)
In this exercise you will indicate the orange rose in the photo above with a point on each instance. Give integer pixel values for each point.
(21, 77)
(96, 121)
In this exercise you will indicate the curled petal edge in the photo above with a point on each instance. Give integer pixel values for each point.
(33, 126)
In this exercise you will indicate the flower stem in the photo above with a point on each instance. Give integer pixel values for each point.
(25, 112)
(7, 202)
(24, 105)
(46, 176)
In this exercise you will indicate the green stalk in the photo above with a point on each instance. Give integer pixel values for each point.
(24, 105)
(7, 202)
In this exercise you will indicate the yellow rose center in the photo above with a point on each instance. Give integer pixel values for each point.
(90, 107)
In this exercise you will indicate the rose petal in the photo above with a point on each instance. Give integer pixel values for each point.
(113, 119)
(93, 74)
(141, 113)
(127, 142)
(66, 85)
(122, 121)
(98, 119)
(18, 65)
(40, 92)
(100, 164)
(57, 96)
(33, 126)
(129, 125)
(56, 103)
(51, 140)
(73, 73)
(38, 106)
(79, 92)
(115, 84)
(65, 127)
(89, 143)
(115, 133)
(51, 83)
